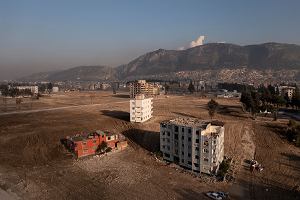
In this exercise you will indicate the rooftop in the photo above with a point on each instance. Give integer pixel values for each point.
(85, 136)
(193, 122)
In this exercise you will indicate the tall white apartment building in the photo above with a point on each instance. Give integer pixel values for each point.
(140, 108)
(192, 143)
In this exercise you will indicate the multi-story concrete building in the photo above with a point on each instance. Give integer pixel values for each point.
(140, 108)
(193, 143)
(142, 87)
(289, 90)
(33, 89)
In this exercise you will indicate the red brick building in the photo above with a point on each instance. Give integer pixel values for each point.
(88, 143)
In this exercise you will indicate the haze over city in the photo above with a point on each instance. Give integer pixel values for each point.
(39, 36)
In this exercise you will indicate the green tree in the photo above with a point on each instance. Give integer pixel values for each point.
(296, 98)
(212, 108)
(191, 88)
(49, 87)
(42, 88)
(167, 88)
(251, 101)
(277, 102)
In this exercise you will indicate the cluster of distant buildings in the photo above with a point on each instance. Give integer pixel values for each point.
(227, 94)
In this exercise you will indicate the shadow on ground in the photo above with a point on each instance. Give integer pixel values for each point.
(125, 96)
(148, 140)
(117, 114)
(233, 111)
(184, 114)
(186, 193)
(292, 157)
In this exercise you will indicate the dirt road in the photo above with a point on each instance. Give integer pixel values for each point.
(58, 108)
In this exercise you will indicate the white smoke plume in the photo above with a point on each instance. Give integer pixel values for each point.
(199, 41)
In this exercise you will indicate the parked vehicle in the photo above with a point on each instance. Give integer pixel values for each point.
(214, 195)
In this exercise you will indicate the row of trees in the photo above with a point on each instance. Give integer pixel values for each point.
(14, 92)
(267, 99)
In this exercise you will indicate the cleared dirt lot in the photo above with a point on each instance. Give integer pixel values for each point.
(33, 164)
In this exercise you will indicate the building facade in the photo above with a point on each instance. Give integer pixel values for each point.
(192, 143)
(33, 89)
(140, 108)
(142, 87)
(88, 143)
(289, 90)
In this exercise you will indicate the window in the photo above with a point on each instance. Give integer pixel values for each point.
(108, 138)
(168, 147)
(197, 140)
(182, 160)
(189, 130)
(176, 128)
(168, 140)
(182, 129)
(164, 133)
(168, 133)
(196, 156)
(176, 136)
(197, 132)
(163, 146)
(205, 159)
(182, 153)
(196, 148)
(163, 125)
(164, 139)
(182, 145)
(167, 155)
(182, 137)
(196, 165)
(205, 150)
(189, 162)
(189, 139)
(176, 151)
(189, 155)
(206, 143)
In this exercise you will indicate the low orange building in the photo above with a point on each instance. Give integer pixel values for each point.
(88, 143)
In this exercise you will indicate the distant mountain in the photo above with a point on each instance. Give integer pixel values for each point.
(81, 73)
(215, 56)
(212, 56)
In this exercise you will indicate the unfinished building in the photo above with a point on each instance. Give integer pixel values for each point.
(86, 144)
(140, 108)
(192, 143)
(142, 87)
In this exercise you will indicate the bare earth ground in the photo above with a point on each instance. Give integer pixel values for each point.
(33, 164)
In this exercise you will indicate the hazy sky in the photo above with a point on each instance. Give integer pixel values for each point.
(49, 35)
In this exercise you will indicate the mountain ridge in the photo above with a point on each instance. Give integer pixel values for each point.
(211, 56)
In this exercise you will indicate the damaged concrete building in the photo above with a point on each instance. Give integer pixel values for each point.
(192, 143)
